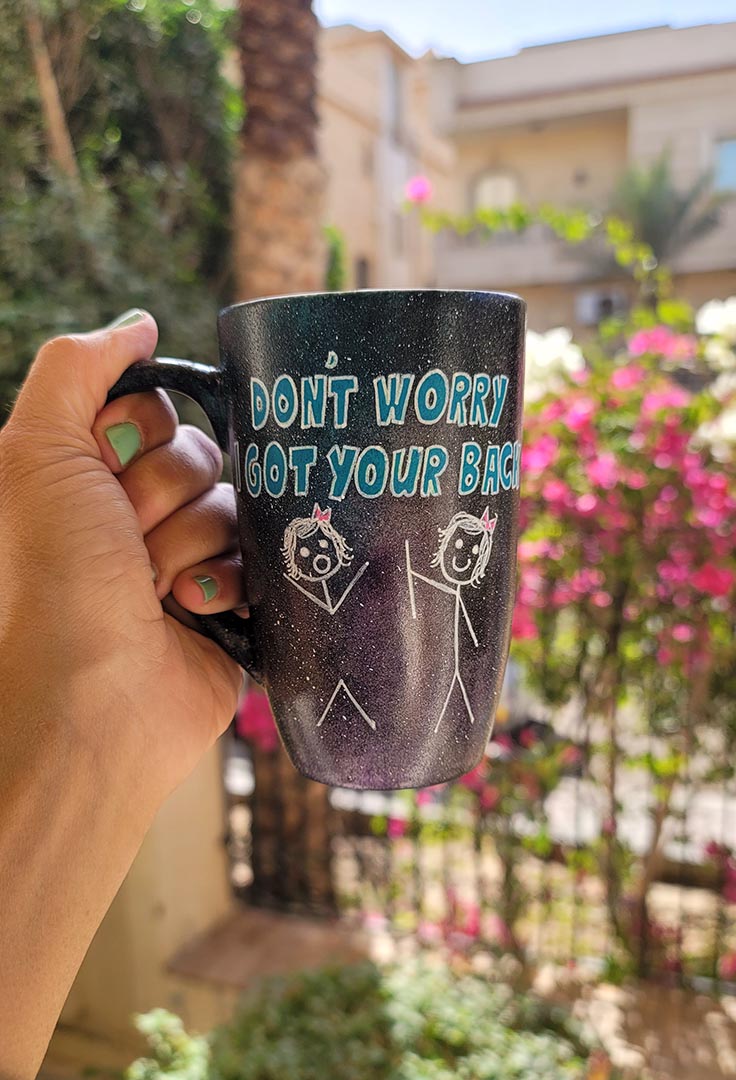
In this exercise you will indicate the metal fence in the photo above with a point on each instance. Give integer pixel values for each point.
(449, 866)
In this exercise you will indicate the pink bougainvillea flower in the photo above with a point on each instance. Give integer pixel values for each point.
(529, 549)
(661, 341)
(523, 626)
(727, 966)
(490, 797)
(555, 491)
(553, 410)
(586, 504)
(674, 397)
(624, 378)
(636, 479)
(475, 779)
(540, 455)
(603, 470)
(254, 721)
(602, 599)
(683, 632)
(395, 828)
(418, 189)
(528, 738)
(498, 930)
(652, 340)
(570, 755)
(580, 413)
(713, 580)
(423, 797)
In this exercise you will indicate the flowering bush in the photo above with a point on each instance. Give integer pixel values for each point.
(627, 566)
(254, 720)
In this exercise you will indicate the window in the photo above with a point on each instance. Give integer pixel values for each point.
(495, 189)
(362, 273)
(594, 305)
(725, 166)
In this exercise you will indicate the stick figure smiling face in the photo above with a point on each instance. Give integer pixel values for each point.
(313, 548)
(465, 548)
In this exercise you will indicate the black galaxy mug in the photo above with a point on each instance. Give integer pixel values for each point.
(375, 440)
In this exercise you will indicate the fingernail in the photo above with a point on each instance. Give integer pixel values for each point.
(128, 318)
(208, 585)
(125, 439)
(154, 573)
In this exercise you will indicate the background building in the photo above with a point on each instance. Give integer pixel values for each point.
(554, 123)
(376, 132)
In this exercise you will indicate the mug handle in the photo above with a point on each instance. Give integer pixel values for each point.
(203, 384)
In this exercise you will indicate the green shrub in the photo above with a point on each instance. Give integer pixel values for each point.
(360, 1023)
(153, 123)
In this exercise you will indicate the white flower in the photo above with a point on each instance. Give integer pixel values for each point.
(720, 434)
(724, 386)
(719, 356)
(718, 317)
(550, 357)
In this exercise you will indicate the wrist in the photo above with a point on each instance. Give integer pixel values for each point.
(68, 834)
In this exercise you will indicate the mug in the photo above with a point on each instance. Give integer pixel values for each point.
(375, 440)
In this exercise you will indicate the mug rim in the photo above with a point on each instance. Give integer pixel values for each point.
(486, 293)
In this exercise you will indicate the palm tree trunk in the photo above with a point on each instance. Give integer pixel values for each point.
(279, 247)
(279, 184)
(61, 150)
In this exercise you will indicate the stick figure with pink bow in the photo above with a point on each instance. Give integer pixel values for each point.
(462, 556)
(314, 551)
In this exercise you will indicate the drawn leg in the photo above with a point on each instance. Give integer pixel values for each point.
(342, 686)
(328, 706)
(361, 710)
(447, 701)
(466, 698)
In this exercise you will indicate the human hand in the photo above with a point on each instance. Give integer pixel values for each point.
(93, 497)
(106, 701)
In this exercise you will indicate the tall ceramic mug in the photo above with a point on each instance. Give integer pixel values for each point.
(375, 440)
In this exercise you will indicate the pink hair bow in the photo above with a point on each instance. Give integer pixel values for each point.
(321, 515)
(488, 523)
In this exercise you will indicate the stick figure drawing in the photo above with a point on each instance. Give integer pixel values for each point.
(314, 551)
(462, 556)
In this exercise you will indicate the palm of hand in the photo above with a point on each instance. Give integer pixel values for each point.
(82, 627)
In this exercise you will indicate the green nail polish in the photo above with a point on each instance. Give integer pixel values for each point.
(128, 318)
(125, 439)
(208, 586)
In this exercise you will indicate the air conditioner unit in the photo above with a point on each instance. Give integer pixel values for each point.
(593, 305)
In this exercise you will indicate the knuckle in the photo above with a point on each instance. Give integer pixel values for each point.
(205, 443)
(163, 407)
(225, 499)
(60, 349)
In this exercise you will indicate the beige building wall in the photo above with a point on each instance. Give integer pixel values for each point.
(376, 131)
(566, 162)
(561, 122)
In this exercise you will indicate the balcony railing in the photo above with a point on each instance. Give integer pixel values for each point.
(507, 259)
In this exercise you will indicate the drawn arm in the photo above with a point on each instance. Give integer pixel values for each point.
(468, 622)
(435, 584)
(315, 599)
(359, 574)
(412, 600)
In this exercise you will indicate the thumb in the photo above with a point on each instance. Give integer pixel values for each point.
(68, 382)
